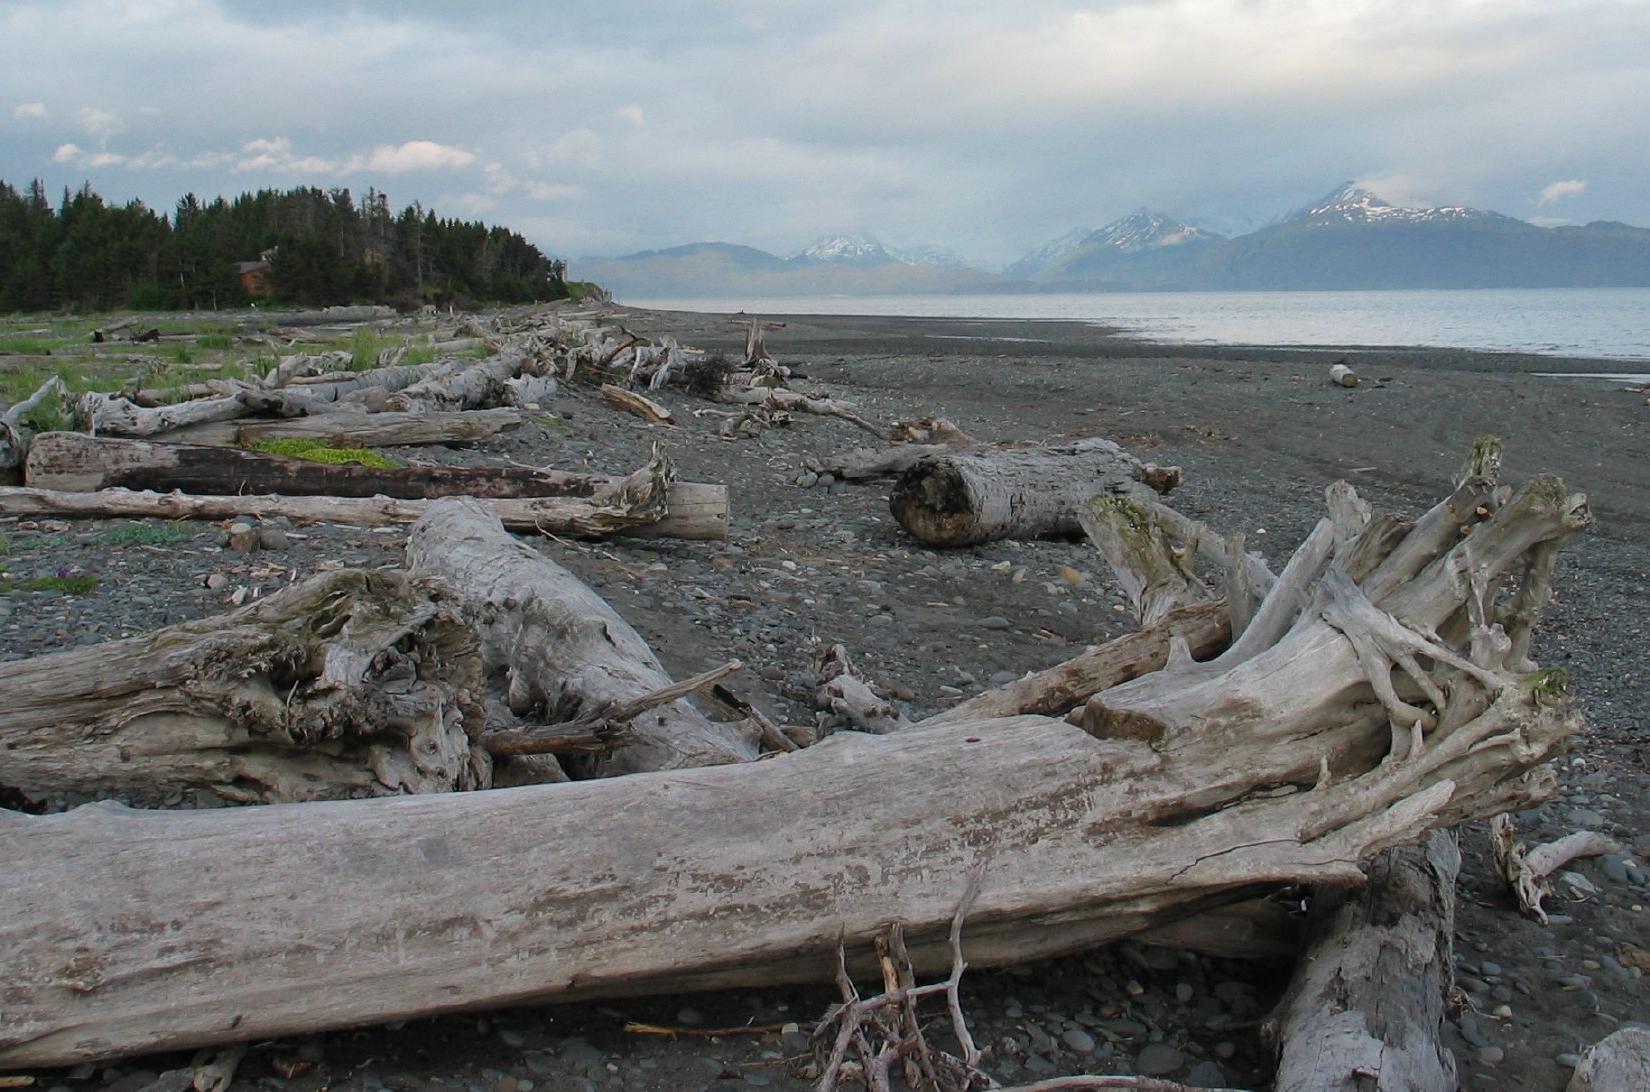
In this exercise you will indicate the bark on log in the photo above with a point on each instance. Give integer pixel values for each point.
(631, 402)
(73, 462)
(965, 498)
(560, 648)
(1365, 1011)
(349, 684)
(355, 429)
(636, 508)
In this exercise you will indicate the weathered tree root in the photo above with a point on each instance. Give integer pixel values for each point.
(349, 684)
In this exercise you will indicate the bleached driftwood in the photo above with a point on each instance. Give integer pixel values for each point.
(355, 429)
(1526, 870)
(978, 495)
(1343, 376)
(844, 693)
(348, 684)
(14, 442)
(111, 416)
(775, 399)
(631, 402)
(1620, 1062)
(561, 648)
(1365, 1011)
(638, 505)
(1070, 837)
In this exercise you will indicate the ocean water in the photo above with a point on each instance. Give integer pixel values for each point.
(1604, 323)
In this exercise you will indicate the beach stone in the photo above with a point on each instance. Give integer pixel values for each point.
(272, 538)
(1206, 1075)
(995, 621)
(689, 1017)
(1079, 1040)
(1039, 1064)
(1615, 867)
(1159, 1060)
(241, 538)
(1491, 1055)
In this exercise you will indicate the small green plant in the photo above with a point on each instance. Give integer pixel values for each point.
(365, 346)
(220, 339)
(182, 355)
(145, 534)
(5, 544)
(317, 452)
(68, 585)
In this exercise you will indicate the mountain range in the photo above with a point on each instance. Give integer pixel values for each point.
(1349, 239)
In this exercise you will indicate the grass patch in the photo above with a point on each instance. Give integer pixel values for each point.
(217, 339)
(28, 345)
(68, 585)
(5, 544)
(317, 452)
(146, 534)
(366, 345)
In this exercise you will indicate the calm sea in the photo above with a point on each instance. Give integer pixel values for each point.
(1608, 323)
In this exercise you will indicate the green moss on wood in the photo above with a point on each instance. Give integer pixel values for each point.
(317, 452)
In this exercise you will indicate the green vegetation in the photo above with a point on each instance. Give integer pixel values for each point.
(317, 452)
(319, 246)
(68, 585)
(5, 544)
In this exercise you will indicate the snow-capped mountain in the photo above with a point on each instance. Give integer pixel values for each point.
(1144, 245)
(1352, 204)
(856, 250)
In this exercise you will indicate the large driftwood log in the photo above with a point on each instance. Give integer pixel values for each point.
(1365, 1012)
(341, 429)
(136, 932)
(1620, 1062)
(73, 462)
(754, 873)
(974, 496)
(349, 684)
(637, 504)
(560, 648)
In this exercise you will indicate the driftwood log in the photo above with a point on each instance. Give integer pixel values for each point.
(1365, 1011)
(355, 429)
(348, 684)
(978, 495)
(110, 415)
(558, 646)
(76, 463)
(14, 441)
(754, 873)
(637, 504)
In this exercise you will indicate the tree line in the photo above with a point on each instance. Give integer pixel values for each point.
(322, 248)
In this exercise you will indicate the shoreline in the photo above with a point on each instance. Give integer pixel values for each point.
(1093, 338)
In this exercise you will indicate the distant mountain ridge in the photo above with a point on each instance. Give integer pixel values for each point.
(1348, 239)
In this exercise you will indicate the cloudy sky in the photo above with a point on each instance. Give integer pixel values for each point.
(603, 128)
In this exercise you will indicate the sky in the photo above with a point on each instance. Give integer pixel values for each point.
(990, 127)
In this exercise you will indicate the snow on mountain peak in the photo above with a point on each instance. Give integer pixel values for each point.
(1146, 230)
(854, 249)
(1352, 204)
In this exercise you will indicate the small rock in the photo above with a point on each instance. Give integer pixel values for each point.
(1206, 1075)
(689, 1017)
(995, 621)
(1039, 1064)
(272, 538)
(241, 538)
(1183, 992)
(1079, 1040)
(1491, 1055)
(1159, 1060)
(216, 581)
(1489, 969)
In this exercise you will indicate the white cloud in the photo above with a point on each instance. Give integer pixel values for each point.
(414, 155)
(576, 147)
(30, 110)
(67, 153)
(80, 157)
(274, 154)
(1557, 191)
(631, 113)
(552, 191)
(97, 124)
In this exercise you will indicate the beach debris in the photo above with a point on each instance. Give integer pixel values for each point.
(1342, 375)
(1526, 870)
(974, 495)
